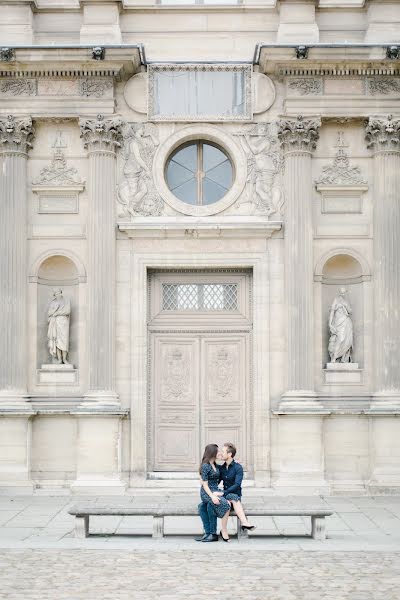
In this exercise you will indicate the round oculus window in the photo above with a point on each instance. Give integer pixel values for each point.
(199, 173)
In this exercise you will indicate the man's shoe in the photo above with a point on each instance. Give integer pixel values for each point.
(200, 539)
(211, 538)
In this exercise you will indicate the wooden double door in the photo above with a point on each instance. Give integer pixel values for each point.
(199, 395)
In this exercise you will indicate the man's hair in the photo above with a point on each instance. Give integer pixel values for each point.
(230, 448)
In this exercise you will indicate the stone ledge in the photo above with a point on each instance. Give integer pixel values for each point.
(211, 227)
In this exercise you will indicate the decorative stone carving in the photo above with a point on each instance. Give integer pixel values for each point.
(89, 87)
(176, 374)
(16, 135)
(265, 166)
(136, 191)
(222, 372)
(382, 86)
(58, 173)
(299, 134)
(100, 134)
(383, 134)
(18, 87)
(95, 88)
(306, 86)
(341, 329)
(340, 172)
(7, 54)
(58, 316)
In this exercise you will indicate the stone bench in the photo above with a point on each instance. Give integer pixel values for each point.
(82, 512)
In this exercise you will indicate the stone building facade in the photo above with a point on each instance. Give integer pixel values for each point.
(200, 207)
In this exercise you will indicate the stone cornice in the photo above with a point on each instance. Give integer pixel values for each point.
(16, 135)
(299, 134)
(100, 134)
(69, 61)
(341, 60)
(383, 135)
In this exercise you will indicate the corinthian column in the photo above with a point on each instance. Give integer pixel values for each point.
(101, 137)
(298, 138)
(16, 137)
(383, 137)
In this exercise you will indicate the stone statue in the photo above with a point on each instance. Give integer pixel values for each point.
(341, 329)
(264, 164)
(58, 315)
(136, 190)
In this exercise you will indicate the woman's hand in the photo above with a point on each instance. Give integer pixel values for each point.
(219, 494)
(215, 499)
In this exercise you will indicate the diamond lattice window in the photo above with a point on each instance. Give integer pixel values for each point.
(200, 296)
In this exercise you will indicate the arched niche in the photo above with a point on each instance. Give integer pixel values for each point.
(343, 270)
(57, 271)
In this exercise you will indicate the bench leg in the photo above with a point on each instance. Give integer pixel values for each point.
(240, 533)
(158, 527)
(82, 526)
(318, 529)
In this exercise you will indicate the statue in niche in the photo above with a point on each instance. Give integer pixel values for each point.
(341, 329)
(136, 191)
(265, 163)
(58, 314)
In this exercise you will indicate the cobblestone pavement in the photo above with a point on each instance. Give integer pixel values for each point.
(190, 575)
(40, 558)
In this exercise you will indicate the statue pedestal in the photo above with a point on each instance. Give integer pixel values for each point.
(53, 374)
(343, 373)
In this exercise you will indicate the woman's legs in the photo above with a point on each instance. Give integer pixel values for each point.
(224, 524)
(238, 508)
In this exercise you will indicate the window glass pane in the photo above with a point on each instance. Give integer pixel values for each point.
(187, 192)
(221, 174)
(210, 91)
(177, 175)
(187, 157)
(212, 157)
(200, 296)
(199, 177)
(212, 192)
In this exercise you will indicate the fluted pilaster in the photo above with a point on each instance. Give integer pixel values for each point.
(298, 138)
(101, 137)
(16, 137)
(383, 137)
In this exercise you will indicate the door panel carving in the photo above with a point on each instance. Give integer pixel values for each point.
(175, 403)
(223, 389)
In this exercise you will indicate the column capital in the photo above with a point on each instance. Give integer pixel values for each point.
(299, 134)
(100, 134)
(16, 134)
(383, 135)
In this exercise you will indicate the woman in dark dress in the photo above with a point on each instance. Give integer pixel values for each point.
(213, 504)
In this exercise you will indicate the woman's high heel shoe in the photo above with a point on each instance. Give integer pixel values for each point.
(248, 527)
(225, 540)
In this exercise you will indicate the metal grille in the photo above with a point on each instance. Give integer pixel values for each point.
(200, 296)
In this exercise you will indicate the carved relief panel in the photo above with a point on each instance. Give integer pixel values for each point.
(175, 403)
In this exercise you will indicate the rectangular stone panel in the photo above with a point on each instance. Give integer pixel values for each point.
(58, 203)
(343, 86)
(341, 204)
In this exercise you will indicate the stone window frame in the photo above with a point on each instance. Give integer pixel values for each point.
(245, 68)
(206, 133)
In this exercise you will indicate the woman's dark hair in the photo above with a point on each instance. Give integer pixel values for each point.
(210, 451)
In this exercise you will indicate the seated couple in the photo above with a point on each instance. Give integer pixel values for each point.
(215, 502)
